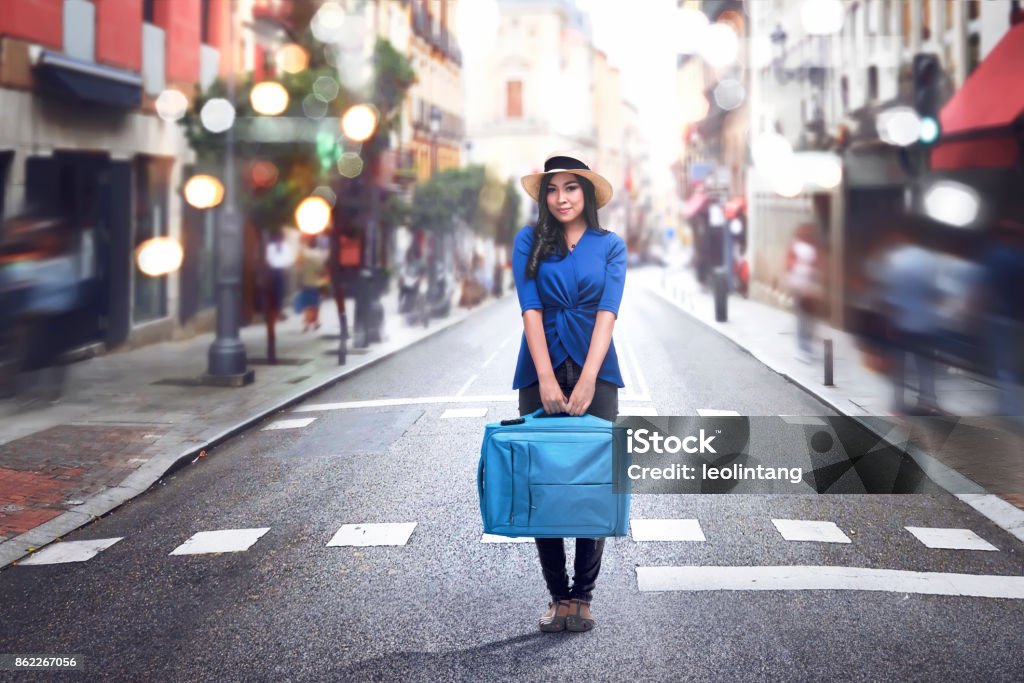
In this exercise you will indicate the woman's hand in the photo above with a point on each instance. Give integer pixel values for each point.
(582, 395)
(551, 397)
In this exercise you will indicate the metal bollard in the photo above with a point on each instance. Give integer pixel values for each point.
(828, 363)
(720, 282)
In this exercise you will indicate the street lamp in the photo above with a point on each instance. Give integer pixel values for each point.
(226, 361)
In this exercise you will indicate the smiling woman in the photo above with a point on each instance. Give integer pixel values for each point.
(569, 275)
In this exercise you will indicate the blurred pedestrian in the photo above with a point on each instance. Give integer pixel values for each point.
(910, 296)
(280, 257)
(569, 275)
(1003, 261)
(803, 277)
(312, 267)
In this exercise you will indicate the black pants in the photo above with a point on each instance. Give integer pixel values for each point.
(587, 564)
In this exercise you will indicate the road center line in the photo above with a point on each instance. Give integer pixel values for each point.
(422, 400)
(489, 359)
(466, 386)
(776, 578)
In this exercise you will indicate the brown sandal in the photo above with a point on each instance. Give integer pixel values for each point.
(554, 623)
(577, 622)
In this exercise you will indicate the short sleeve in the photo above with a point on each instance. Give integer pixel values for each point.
(526, 288)
(614, 276)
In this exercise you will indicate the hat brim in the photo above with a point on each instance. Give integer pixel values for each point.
(602, 188)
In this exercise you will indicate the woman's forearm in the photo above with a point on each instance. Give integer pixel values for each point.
(533, 324)
(600, 340)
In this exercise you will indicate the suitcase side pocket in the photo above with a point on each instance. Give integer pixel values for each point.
(589, 508)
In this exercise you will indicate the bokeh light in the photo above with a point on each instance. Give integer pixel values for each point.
(786, 181)
(263, 174)
(292, 58)
(326, 88)
(359, 122)
(314, 107)
(217, 115)
(822, 17)
(269, 98)
(326, 193)
(327, 22)
(952, 203)
(203, 191)
(350, 165)
(159, 256)
(690, 28)
(729, 94)
(899, 126)
(312, 215)
(171, 105)
(770, 151)
(720, 45)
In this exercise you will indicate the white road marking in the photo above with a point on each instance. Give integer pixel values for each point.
(1008, 517)
(638, 411)
(391, 402)
(466, 386)
(828, 578)
(463, 412)
(666, 530)
(624, 366)
(806, 530)
(373, 534)
(296, 423)
(950, 539)
(641, 381)
(223, 541)
(492, 538)
(69, 551)
(802, 420)
(508, 339)
(712, 412)
(490, 358)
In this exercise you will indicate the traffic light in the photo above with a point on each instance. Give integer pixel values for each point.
(929, 94)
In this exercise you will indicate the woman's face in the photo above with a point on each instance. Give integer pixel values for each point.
(565, 197)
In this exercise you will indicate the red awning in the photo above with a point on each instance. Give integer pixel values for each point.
(989, 101)
(694, 204)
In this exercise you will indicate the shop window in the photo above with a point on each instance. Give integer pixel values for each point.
(872, 84)
(973, 9)
(204, 22)
(152, 193)
(844, 93)
(149, 11)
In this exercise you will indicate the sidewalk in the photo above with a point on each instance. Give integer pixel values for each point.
(988, 451)
(127, 418)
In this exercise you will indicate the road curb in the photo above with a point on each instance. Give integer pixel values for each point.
(1001, 513)
(162, 466)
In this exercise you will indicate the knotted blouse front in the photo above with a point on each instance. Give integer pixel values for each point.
(570, 291)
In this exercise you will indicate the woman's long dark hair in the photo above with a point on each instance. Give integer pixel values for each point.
(549, 233)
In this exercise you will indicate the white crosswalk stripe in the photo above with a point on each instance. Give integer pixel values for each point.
(704, 578)
(666, 530)
(714, 412)
(373, 534)
(638, 411)
(807, 530)
(221, 541)
(950, 539)
(69, 551)
(463, 412)
(491, 538)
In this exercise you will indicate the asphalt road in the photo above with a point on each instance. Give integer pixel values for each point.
(447, 607)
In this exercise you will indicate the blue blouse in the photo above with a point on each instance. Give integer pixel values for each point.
(570, 291)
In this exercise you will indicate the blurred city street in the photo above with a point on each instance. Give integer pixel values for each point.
(268, 269)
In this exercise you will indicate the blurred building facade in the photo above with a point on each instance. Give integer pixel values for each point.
(543, 87)
(81, 138)
(823, 94)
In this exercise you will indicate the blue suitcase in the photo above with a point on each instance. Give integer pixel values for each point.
(551, 477)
